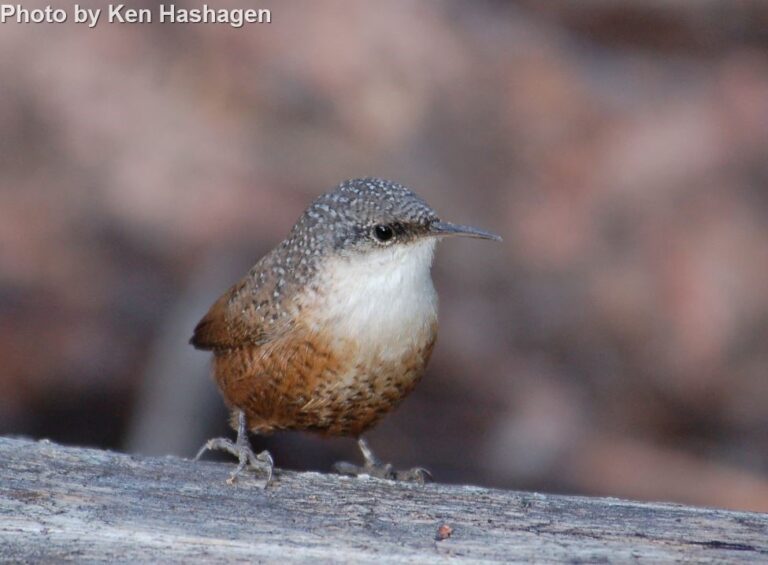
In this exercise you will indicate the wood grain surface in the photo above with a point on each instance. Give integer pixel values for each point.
(64, 503)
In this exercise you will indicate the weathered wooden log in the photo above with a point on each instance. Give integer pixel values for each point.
(59, 503)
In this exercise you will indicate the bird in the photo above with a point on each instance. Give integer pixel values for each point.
(334, 327)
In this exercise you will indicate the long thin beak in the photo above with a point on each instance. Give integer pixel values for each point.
(446, 229)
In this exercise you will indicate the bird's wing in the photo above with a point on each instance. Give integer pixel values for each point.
(242, 316)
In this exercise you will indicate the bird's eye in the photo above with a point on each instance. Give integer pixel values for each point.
(383, 233)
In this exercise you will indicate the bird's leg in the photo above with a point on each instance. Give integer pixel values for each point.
(240, 448)
(376, 468)
(370, 458)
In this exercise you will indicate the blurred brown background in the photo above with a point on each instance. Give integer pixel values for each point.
(616, 343)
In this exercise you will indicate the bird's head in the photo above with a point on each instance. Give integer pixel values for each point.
(370, 215)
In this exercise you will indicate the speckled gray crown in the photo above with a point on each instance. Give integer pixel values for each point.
(343, 217)
(370, 201)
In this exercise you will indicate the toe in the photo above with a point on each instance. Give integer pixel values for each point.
(417, 474)
(344, 468)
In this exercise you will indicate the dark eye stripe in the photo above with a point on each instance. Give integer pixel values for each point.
(400, 229)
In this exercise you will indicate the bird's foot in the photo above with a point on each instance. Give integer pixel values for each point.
(384, 471)
(241, 449)
(375, 468)
(245, 457)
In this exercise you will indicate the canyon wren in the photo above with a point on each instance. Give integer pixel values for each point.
(334, 327)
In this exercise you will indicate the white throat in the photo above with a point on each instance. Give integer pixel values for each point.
(383, 299)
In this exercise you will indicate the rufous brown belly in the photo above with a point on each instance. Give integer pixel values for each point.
(304, 381)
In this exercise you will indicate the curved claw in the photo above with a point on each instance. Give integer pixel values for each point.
(221, 443)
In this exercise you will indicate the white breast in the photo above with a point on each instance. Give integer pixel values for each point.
(384, 299)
